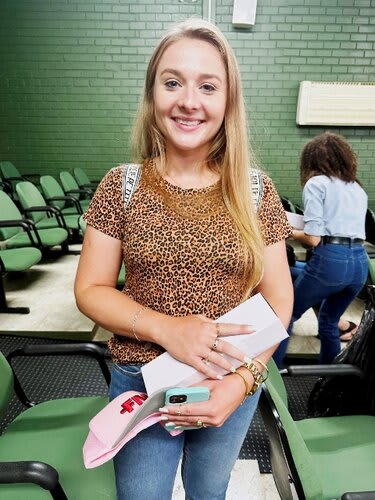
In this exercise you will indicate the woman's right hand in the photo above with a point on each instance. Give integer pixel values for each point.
(196, 341)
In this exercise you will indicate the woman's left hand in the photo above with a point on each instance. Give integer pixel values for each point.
(225, 397)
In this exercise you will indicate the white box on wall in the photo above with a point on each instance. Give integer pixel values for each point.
(244, 12)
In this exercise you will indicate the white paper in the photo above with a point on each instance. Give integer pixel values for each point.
(166, 371)
(295, 220)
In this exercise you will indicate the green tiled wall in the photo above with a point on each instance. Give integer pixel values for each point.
(71, 72)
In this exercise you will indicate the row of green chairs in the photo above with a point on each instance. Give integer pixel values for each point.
(77, 183)
(22, 244)
(320, 458)
(51, 212)
(41, 449)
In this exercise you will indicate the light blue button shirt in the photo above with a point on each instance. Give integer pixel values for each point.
(333, 207)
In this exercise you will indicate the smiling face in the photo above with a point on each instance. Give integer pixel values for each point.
(190, 95)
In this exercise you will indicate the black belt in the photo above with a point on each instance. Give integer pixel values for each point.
(341, 240)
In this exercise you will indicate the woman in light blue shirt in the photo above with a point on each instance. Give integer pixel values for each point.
(335, 206)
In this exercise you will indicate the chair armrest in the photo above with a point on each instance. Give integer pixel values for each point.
(360, 495)
(42, 208)
(39, 473)
(31, 177)
(87, 192)
(25, 223)
(28, 225)
(73, 199)
(50, 210)
(84, 348)
(91, 186)
(324, 370)
(15, 178)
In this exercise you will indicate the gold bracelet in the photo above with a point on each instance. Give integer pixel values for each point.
(265, 368)
(135, 317)
(256, 375)
(245, 382)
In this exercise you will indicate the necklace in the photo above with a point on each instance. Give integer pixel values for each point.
(209, 182)
(191, 204)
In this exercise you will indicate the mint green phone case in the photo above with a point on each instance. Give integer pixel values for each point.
(181, 395)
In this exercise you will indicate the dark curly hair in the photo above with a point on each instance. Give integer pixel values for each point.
(328, 154)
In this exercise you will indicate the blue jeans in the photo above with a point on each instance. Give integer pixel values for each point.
(333, 277)
(146, 466)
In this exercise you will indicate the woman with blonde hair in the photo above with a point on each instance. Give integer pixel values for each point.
(199, 232)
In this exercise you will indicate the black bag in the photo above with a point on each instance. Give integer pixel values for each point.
(349, 394)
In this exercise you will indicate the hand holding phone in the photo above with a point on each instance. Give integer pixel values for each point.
(182, 395)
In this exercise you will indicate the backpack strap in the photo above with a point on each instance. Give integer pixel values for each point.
(130, 180)
(256, 187)
(132, 175)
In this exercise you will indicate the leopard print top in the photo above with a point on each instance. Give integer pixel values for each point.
(181, 249)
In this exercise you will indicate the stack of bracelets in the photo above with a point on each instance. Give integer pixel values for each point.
(257, 375)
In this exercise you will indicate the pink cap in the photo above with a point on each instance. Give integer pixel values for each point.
(118, 422)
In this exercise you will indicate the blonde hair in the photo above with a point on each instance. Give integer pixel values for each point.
(230, 152)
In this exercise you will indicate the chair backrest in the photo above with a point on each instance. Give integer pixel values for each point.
(68, 181)
(295, 449)
(6, 386)
(81, 176)
(50, 188)
(8, 170)
(30, 196)
(8, 211)
(287, 204)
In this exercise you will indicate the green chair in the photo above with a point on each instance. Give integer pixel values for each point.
(12, 176)
(44, 216)
(320, 458)
(9, 172)
(41, 449)
(17, 232)
(71, 187)
(55, 196)
(83, 179)
(16, 260)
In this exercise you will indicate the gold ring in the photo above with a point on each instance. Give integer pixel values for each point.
(199, 423)
(179, 410)
(217, 329)
(215, 344)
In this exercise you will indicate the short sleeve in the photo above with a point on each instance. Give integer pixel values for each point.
(106, 210)
(271, 214)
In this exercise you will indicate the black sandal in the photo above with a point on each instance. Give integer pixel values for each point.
(350, 328)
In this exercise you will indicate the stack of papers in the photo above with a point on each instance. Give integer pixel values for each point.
(165, 371)
(295, 220)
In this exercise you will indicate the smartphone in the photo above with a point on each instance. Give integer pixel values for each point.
(181, 395)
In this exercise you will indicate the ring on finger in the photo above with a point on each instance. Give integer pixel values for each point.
(215, 344)
(199, 423)
(179, 410)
